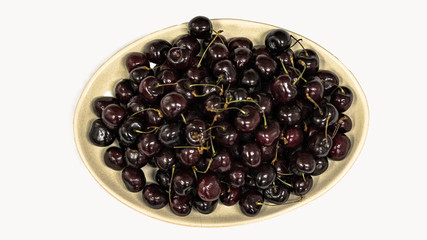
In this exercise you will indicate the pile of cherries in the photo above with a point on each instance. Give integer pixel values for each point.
(223, 120)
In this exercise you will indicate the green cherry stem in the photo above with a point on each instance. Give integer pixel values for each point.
(204, 53)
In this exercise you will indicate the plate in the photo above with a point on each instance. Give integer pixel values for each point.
(113, 70)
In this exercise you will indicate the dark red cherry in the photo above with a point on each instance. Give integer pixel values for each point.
(341, 145)
(267, 135)
(216, 52)
(100, 135)
(156, 50)
(173, 104)
(241, 58)
(322, 165)
(305, 106)
(268, 152)
(179, 58)
(165, 159)
(150, 90)
(266, 66)
(204, 207)
(239, 42)
(277, 41)
(314, 89)
(251, 203)
(329, 80)
(136, 104)
(230, 195)
(154, 196)
(139, 73)
(196, 75)
(208, 187)
(265, 176)
(181, 205)
(163, 179)
(236, 94)
(250, 80)
(247, 120)
(251, 155)
(195, 133)
(310, 59)
(113, 115)
(276, 194)
(168, 76)
(294, 137)
(170, 134)
(183, 181)
(128, 134)
(134, 158)
(302, 185)
(114, 158)
(189, 42)
(221, 162)
(225, 70)
(342, 99)
(225, 134)
(148, 144)
(287, 58)
(302, 162)
(136, 59)
(282, 89)
(282, 169)
(153, 118)
(319, 144)
(289, 114)
(200, 27)
(133, 178)
(188, 157)
(101, 103)
(260, 50)
(236, 176)
(345, 124)
(265, 101)
(319, 119)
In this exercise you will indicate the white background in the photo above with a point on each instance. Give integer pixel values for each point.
(49, 50)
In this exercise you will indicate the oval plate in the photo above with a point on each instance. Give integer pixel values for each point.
(102, 84)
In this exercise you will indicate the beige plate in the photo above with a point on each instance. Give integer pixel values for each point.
(102, 84)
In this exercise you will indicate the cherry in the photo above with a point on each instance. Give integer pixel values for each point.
(225, 70)
(113, 158)
(136, 104)
(342, 99)
(139, 73)
(265, 101)
(319, 118)
(100, 135)
(302, 185)
(128, 134)
(250, 80)
(267, 135)
(289, 114)
(282, 89)
(265, 176)
(154, 196)
(230, 195)
(287, 58)
(281, 168)
(320, 144)
(344, 124)
(221, 162)
(251, 203)
(179, 58)
(213, 106)
(314, 89)
(239, 42)
(265, 66)
(165, 159)
(341, 145)
(167, 78)
(133, 178)
(136, 59)
(216, 52)
(200, 27)
(268, 152)
(150, 90)
(208, 187)
(183, 181)
(172, 105)
(276, 194)
(113, 115)
(241, 58)
(293, 137)
(277, 41)
(218, 39)
(148, 144)
(163, 179)
(260, 50)
(101, 102)
(236, 94)
(169, 134)
(251, 155)
(134, 158)
(181, 205)
(236, 176)
(153, 117)
(156, 50)
(322, 165)
(329, 80)
(195, 132)
(204, 207)
(196, 75)
(188, 42)
(225, 134)
(307, 59)
(302, 162)
(188, 157)
(247, 120)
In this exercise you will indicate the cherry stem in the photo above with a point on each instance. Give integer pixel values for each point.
(183, 119)
(223, 109)
(165, 84)
(217, 126)
(303, 177)
(217, 33)
(153, 129)
(298, 41)
(275, 205)
(145, 67)
(287, 184)
(337, 127)
(285, 174)
(170, 184)
(283, 66)
(326, 129)
(147, 109)
(249, 99)
(207, 168)
(305, 126)
(314, 102)
(209, 85)
(336, 85)
(275, 156)
(303, 70)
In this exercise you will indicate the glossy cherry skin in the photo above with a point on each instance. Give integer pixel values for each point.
(250, 80)
(168, 76)
(136, 104)
(239, 42)
(302, 162)
(216, 52)
(200, 27)
(136, 59)
(204, 207)
(154, 196)
(265, 102)
(305, 106)
(289, 114)
(282, 169)
(287, 58)
(225, 134)
(342, 99)
(341, 145)
(148, 144)
(319, 144)
(188, 157)
(251, 155)
(139, 73)
(181, 205)
(247, 121)
(183, 87)
(189, 42)
(276, 194)
(230, 195)
(251, 203)
(212, 103)
(196, 74)
(127, 131)
(225, 70)
(319, 121)
(163, 179)
(113, 115)
(265, 176)
(100, 135)
(236, 176)
(329, 80)
(310, 59)
(221, 162)
(183, 181)
(172, 105)
(156, 50)
(294, 137)
(179, 58)
(153, 118)
(268, 152)
(266, 66)
(169, 134)
(149, 89)
(322, 165)
(314, 89)
(283, 90)
(165, 159)
(236, 94)
(209, 187)
(133, 178)
(114, 158)
(268, 135)
(134, 158)
(302, 185)
(345, 124)
(241, 58)
(277, 41)
(195, 133)
(101, 103)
